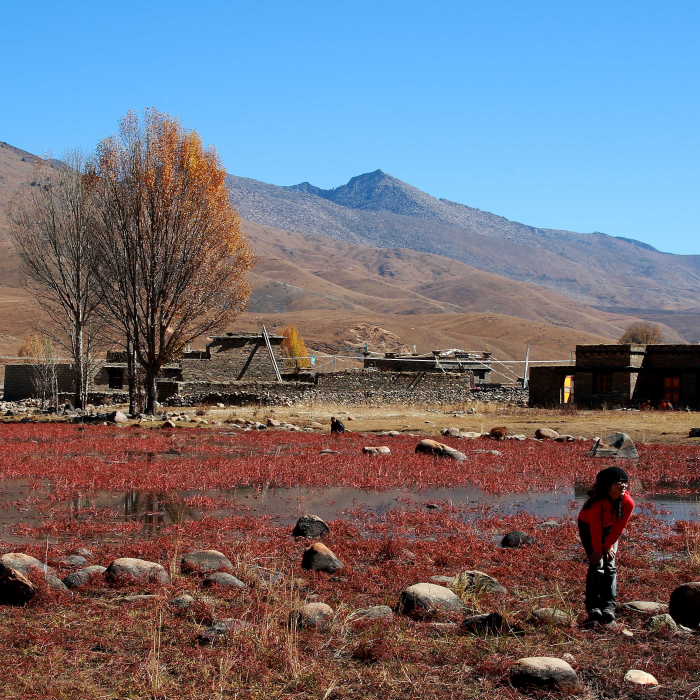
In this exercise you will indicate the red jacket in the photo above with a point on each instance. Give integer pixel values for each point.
(600, 516)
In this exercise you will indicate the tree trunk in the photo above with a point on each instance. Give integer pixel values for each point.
(151, 390)
(131, 376)
(78, 367)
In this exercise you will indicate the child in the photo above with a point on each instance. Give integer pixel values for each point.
(336, 426)
(601, 522)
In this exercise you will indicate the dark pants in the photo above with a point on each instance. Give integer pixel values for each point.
(601, 578)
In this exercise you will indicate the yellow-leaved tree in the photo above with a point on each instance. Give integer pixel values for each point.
(294, 348)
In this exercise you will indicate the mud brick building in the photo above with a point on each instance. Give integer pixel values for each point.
(476, 363)
(622, 375)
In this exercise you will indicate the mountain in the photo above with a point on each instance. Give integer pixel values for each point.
(380, 210)
(343, 290)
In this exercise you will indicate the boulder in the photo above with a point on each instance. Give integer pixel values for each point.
(516, 539)
(118, 417)
(684, 605)
(473, 581)
(565, 438)
(380, 450)
(438, 449)
(635, 677)
(30, 566)
(272, 423)
(545, 672)
(423, 599)
(451, 432)
(318, 557)
(129, 570)
(551, 616)
(316, 615)
(81, 577)
(168, 424)
(546, 434)
(491, 623)
(73, 560)
(618, 445)
(205, 561)
(374, 612)
(470, 435)
(310, 526)
(223, 579)
(15, 587)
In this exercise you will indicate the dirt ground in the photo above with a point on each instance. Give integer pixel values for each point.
(670, 427)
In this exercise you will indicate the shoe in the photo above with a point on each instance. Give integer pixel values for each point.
(607, 616)
(594, 615)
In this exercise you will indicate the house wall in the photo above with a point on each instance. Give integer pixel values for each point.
(19, 381)
(546, 384)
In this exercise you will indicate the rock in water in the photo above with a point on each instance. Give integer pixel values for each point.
(318, 557)
(310, 526)
(684, 605)
(424, 599)
(15, 587)
(205, 561)
(128, 570)
(546, 672)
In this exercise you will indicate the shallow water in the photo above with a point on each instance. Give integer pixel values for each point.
(30, 504)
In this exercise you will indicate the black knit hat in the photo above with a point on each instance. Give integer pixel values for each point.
(612, 475)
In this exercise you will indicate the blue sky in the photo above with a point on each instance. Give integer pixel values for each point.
(566, 115)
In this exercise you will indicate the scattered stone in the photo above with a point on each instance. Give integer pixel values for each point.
(182, 601)
(490, 623)
(73, 560)
(663, 625)
(136, 598)
(316, 615)
(375, 612)
(684, 605)
(551, 616)
(645, 607)
(380, 450)
(438, 449)
(451, 432)
(546, 434)
(223, 579)
(118, 417)
(565, 438)
(30, 566)
(424, 599)
(618, 445)
(329, 452)
(498, 433)
(473, 581)
(310, 526)
(168, 424)
(516, 539)
(635, 677)
(220, 630)
(545, 672)
(470, 435)
(15, 587)
(272, 423)
(82, 577)
(318, 557)
(127, 569)
(205, 561)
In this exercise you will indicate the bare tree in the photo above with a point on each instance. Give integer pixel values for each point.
(39, 349)
(642, 333)
(171, 258)
(52, 233)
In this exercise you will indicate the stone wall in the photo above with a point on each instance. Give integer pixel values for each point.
(225, 366)
(20, 384)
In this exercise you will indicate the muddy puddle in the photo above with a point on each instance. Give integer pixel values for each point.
(24, 503)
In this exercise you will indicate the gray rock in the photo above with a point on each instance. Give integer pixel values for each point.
(551, 616)
(442, 580)
(473, 581)
(31, 567)
(118, 417)
(15, 587)
(168, 424)
(546, 434)
(79, 578)
(545, 672)
(438, 449)
(618, 445)
(73, 560)
(490, 623)
(374, 612)
(635, 677)
(205, 561)
(310, 526)
(127, 570)
(329, 452)
(663, 625)
(565, 438)
(379, 450)
(220, 630)
(223, 579)
(516, 539)
(684, 605)
(425, 599)
(316, 615)
(182, 601)
(318, 557)
(645, 607)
